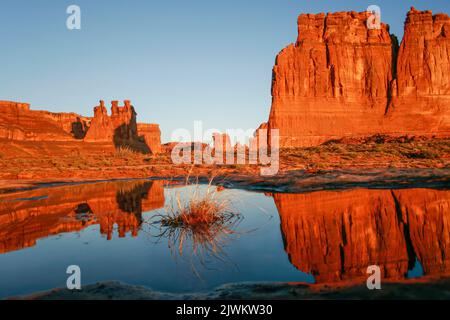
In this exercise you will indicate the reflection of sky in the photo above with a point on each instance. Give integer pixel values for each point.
(256, 255)
(178, 61)
(416, 271)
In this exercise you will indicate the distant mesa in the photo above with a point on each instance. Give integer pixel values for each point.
(18, 122)
(342, 79)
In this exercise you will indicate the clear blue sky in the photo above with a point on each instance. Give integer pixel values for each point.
(178, 61)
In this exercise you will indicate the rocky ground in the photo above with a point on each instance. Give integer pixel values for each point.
(377, 155)
(374, 162)
(114, 290)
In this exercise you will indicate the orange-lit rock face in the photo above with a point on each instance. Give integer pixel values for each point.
(122, 129)
(72, 208)
(19, 123)
(423, 64)
(151, 135)
(421, 92)
(221, 141)
(337, 235)
(121, 126)
(339, 79)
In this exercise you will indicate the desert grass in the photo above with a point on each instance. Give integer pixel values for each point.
(376, 151)
(126, 152)
(205, 222)
(372, 152)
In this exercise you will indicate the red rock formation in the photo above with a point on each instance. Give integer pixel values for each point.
(19, 123)
(73, 208)
(221, 141)
(222, 148)
(260, 132)
(339, 79)
(120, 127)
(102, 128)
(151, 135)
(337, 235)
(421, 91)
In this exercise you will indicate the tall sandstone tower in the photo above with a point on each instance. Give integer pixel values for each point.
(122, 129)
(343, 79)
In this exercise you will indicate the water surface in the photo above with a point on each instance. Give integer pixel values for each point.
(319, 237)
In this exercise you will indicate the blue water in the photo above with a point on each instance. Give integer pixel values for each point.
(110, 230)
(254, 253)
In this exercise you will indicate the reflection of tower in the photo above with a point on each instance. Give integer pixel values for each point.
(73, 208)
(336, 235)
(128, 213)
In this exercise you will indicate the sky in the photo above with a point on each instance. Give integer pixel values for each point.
(178, 61)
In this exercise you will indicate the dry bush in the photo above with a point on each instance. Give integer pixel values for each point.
(125, 152)
(205, 222)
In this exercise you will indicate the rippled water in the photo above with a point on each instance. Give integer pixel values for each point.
(325, 236)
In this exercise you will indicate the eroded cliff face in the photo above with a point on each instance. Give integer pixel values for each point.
(336, 235)
(421, 90)
(150, 134)
(19, 123)
(73, 208)
(121, 125)
(340, 79)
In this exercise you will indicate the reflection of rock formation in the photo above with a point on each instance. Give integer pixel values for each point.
(428, 214)
(337, 235)
(45, 212)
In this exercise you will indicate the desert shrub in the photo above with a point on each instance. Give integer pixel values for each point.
(204, 220)
(378, 139)
(332, 141)
(199, 210)
(125, 152)
(421, 154)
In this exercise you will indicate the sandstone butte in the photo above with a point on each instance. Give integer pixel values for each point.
(120, 129)
(342, 79)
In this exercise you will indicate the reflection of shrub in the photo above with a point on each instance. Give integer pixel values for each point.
(205, 222)
(202, 218)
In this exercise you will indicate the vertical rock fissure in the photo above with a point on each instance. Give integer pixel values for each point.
(342, 245)
(406, 233)
(394, 62)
